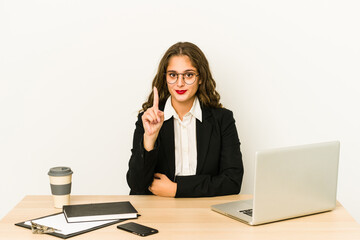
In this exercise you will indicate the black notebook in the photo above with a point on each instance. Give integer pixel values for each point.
(99, 211)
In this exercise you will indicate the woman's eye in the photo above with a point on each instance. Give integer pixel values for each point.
(172, 75)
(189, 75)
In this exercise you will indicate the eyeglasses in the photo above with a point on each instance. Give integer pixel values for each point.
(188, 77)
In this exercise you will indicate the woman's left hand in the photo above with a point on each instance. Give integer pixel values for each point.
(163, 186)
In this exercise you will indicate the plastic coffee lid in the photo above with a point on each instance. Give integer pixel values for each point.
(59, 171)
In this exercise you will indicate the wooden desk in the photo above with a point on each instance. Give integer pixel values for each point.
(185, 219)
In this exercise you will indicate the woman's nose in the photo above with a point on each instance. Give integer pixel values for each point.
(180, 81)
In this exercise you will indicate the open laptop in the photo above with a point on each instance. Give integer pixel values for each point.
(289, 182)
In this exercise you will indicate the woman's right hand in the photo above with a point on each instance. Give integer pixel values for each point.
(152, 120)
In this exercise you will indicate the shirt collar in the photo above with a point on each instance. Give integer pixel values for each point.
(195, 110)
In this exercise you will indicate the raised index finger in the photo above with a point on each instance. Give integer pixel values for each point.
(156, 99)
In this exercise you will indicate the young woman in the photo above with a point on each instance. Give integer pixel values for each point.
(185, 143)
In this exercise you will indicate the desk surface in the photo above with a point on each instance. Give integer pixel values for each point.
(185, 219)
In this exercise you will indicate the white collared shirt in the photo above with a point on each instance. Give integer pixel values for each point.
(185, 137)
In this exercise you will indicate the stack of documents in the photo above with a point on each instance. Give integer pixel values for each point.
(78, 219)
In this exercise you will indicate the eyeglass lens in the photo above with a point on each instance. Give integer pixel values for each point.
(188, 77)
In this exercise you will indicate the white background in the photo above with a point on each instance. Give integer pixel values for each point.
(73, 75)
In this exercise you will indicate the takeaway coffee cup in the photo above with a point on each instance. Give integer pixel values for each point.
(60, 183)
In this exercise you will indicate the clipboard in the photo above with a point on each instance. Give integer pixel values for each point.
(70, 229)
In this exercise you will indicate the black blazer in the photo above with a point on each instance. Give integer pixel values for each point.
(219, 167)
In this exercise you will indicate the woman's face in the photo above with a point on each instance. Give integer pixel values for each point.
(182, 93)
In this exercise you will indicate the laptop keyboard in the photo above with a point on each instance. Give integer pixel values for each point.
(247, 212)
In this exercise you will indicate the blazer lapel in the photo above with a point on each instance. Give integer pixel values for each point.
(168, 143)
(203, 134)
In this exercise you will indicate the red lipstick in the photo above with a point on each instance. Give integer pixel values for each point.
(180, 91)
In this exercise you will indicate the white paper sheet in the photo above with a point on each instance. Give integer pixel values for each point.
(59, 222)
